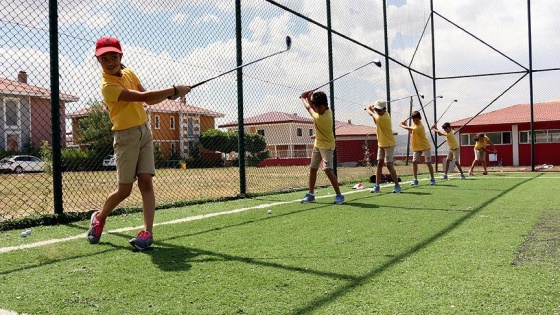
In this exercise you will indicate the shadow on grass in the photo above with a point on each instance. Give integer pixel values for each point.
(358, 281)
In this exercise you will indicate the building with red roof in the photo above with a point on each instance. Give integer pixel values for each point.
(25, 113)
(290, 138)
(509, 129)
(176, 126)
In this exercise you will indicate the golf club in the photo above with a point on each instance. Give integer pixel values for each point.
(402, 98)
(422, 107)
(288, 46)
(375, 61)
(445, 111)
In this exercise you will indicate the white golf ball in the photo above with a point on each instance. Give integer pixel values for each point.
(28, 232)
(23, 234)
(269, 211)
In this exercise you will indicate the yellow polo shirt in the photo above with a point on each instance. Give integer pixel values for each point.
(451, 140)
(123, 115)
(419, 140)
(481, 143)
(385, 137)
(324, 136)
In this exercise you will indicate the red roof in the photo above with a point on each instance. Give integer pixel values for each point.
(11, 87)
(342, 128)
(516, 114)
(167, 106)
(270, 118)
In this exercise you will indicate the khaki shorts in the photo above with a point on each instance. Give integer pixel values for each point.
(454, 155)
(134, 151)
(387, 154)
(480, 155)
(418, 154)
(319, 155)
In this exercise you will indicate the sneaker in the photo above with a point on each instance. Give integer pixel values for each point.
(309, 198)
(95, 229)
(471, 173)
(142, 240)
(375, 189)
(444, 176)
(397, 189)
(339, 199)
(432, 182)
(484, 173)
(463, 177)
(414, 182)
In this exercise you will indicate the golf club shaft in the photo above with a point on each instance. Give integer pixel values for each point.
(422, 107)
(445, 111)
(402, 98)
(375, 61)
(239, 67)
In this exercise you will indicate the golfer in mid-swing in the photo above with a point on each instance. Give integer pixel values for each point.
(323, 148)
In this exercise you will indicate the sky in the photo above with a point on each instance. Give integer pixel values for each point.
(183, 42)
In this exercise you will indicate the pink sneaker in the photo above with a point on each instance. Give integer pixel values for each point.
(95, 229)
(142, 240)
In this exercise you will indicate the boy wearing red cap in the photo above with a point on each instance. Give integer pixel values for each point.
(124, 96)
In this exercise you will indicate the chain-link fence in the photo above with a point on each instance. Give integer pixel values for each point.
(426, 47)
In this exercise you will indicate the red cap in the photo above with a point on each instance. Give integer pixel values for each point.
(107, 44)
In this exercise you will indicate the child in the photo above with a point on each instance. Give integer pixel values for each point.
(454, 151)
(386, 144)
(124, 94)
(323, 148)
(481, 141)
(420, 146)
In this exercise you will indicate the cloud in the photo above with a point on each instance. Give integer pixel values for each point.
(207, 18)
(179, 18)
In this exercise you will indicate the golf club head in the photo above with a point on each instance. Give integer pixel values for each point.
(421, 95)
(288, 42)
(377, 62)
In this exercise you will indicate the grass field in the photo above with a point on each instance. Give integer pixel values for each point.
(486, 245)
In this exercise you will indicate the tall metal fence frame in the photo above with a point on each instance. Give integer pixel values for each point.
(57, 170)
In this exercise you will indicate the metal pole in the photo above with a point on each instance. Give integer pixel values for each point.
(434, 85)
(386, 39)
(55, 108)
(331, 77)
(241, 125)
(408, 136)
(531, 86)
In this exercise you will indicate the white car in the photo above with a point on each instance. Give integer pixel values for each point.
(110, 161)
(22, 163)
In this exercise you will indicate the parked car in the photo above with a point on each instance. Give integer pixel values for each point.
(22, 163)
(110, 161)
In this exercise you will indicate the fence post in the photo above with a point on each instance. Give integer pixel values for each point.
(55, 108)
(331, 84)
(240, 124)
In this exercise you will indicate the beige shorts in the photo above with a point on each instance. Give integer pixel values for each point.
(480, 155)
(386, 154)
(319, 155)
(134, 151)
(418, 154)
(454, 154)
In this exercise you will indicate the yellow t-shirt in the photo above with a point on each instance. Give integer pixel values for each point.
(481, 144)
(385, 137)
(123, 115)
(324, 136)
(419, 140)
(451, 140)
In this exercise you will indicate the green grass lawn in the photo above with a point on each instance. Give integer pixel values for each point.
(461, 247)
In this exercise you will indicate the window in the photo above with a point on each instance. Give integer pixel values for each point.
(156, 122)
(495, 137)
(11, 112)
(172, 122)
(541, 136)
(311, 132)
(260, 132)
(12, 142)
(190, 128)
(173, 148)
(299, 132)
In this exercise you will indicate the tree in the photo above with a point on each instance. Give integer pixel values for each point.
(95, 129)
(217, 140)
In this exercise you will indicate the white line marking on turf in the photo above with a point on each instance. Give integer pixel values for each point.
(187, 219)
(127, 229)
